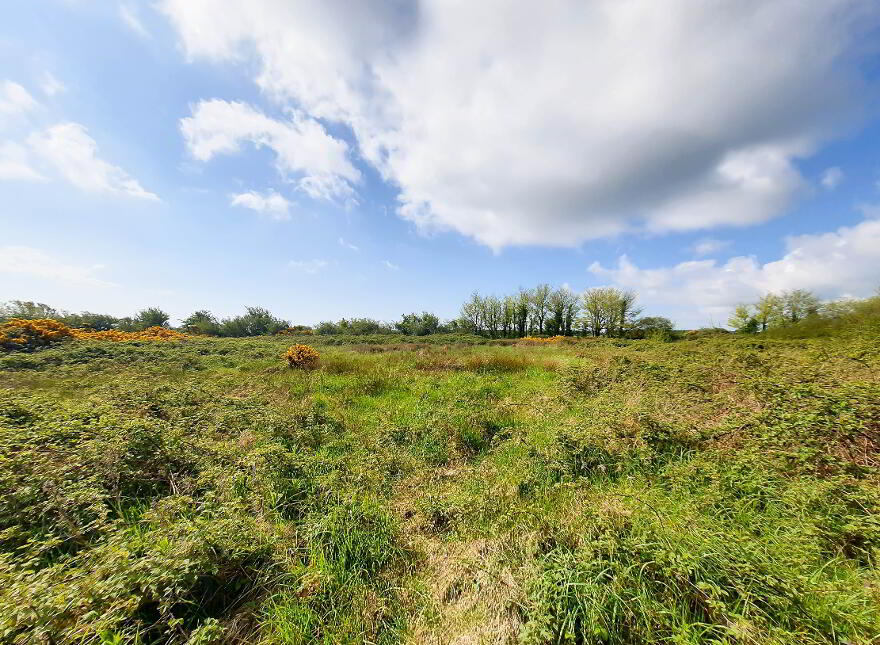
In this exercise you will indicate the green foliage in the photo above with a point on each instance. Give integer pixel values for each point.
(88, 320)
(257, 321)
(150, 317)
(28, 310)
(155, 512)
(845, 317)
(354, 327)
(743, 321)
(201, 322)
(418, 324)
(722, 488)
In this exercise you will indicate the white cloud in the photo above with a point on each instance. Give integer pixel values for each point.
(305, 153)
(835, 264)
(565, 121)
(129, 16)
(24, 260)
(869, 210)
(15, 100)
(390, 265)
(74, 154)
(831, 178)
(270, 203)
(348, 245)
(309, 266)
(15, 164)
(51, 85)
(708, 246)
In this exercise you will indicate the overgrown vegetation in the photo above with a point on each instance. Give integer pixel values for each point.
(722, 488)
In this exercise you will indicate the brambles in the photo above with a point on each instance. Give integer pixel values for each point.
(302, 357)
(609, 491)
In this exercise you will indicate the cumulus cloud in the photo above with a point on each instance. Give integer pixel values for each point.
(24, 260)
(708, 246)
(271, 203)
(305, 153)
(831, 178)
(564, 122)
(15, 164)
(309, 266)
(74, 154)
(845, 262)
(871, 210)
(15, 100)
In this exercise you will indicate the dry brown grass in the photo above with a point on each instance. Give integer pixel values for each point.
(472, 594)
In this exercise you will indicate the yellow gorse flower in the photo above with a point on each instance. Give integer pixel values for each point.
(150, 333)
(19, 333)
(302, 356)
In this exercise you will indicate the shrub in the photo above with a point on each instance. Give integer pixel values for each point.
(202, 322)
(302, 357)
(28, 310)
(150, 333)
(296, 330)
(256, 322)
(21, 334)
(151, 317)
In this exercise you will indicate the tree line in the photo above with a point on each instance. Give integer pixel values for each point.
(539, 311)
(545, 311)
(800, 309)
(775, 310)
(256, 321)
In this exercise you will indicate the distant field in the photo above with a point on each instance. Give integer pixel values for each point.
(722, 489)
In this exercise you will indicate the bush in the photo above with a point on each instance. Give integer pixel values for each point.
(28, 310)
(151, 317)
(256, 322)
(20, 334)
(296, 330)
(202, 322)
(150, 333)
(302, 357)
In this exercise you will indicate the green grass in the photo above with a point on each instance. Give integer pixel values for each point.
(718, 489)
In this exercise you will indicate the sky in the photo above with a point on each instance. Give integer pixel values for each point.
(327, 159)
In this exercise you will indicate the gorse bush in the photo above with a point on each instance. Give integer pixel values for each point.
(21, 334)
(302, 357)
(26, 335)
(150, 333)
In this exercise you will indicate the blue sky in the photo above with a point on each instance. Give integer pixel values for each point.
(325, 162)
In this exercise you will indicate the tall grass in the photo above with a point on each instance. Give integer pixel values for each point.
(721, 489)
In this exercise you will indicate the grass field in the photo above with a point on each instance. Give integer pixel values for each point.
(721, 489)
